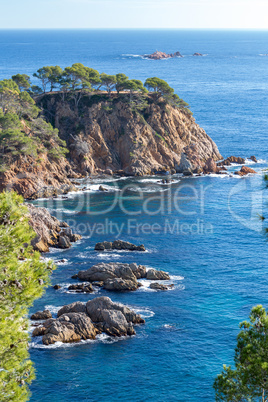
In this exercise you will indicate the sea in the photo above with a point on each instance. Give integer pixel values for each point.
(205, 231)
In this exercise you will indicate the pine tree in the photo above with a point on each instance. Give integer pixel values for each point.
(23, 278)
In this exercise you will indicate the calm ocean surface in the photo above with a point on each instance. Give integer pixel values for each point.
(210, 239)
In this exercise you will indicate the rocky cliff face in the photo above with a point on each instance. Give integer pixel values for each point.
(109, 134)
(119, 134)
(28, 176)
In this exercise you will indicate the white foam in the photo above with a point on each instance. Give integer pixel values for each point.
(144, 312)
(36, 342)
(147, 189)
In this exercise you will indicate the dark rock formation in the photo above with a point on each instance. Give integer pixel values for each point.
(118, 245)
(81, 288)
(244, 171)
(50, 232)
(158, 286)
(253, 158)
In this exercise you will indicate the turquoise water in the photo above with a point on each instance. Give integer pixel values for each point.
(216, 255)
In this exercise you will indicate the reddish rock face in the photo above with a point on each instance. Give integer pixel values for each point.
(210, 166)
(245, 170)
(161, 55)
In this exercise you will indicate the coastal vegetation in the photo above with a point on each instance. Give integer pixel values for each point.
(23, 278)
(22, 131)
(249, 380)
(79, 79)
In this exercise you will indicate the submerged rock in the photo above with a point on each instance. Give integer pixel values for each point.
(118, 245)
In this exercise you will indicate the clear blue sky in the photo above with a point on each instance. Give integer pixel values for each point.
(230, 14)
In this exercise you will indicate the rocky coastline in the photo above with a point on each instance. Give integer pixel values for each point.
(50, 232)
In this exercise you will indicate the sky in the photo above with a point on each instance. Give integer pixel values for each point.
(198, 14)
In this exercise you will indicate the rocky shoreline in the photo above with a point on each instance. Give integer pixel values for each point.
(50, 232)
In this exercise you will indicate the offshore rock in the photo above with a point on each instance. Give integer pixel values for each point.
(245, 170)
(41, 315)
(118, 245)
(153, 274)
(98, 315)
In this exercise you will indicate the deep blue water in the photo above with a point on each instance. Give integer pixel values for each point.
(219, 269)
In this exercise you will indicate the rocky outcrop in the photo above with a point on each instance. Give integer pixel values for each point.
(32, 179)
(232, 159)
(158, 286)
(50, 232)
(118, 245)
(81, 288)
(153, 274)
(41, 315)
(119, 276)
(162, 55)
(119, 284)
(84, 321)
(68, 328)
(113, 137)
(253, 158)
(245, 170)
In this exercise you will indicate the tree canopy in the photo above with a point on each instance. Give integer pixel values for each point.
(249, 380)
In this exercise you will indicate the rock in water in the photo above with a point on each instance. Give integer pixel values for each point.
(41, 315)
(105, 271)
(153, 274)
(245, 170)
(79, 321)
(120, 284)
(118, 245)
(253, 158)
(75, 307)
(158, 286)
(82, 288)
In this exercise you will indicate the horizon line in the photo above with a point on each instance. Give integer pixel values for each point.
(132, 29)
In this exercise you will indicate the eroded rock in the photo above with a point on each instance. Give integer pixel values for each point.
(41, 315)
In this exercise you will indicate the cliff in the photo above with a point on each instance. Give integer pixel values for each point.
(113, 134)
(126, 133)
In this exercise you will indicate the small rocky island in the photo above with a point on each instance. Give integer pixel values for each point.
(117, 276)
(81, 321)
(162, 55)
